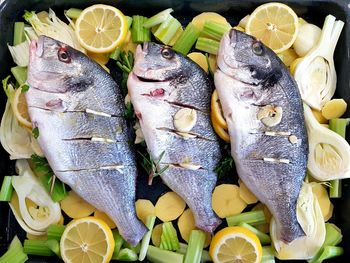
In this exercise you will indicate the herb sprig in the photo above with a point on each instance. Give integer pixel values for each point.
(151, 166)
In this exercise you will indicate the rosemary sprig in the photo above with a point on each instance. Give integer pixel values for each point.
(126, 63)
(151, 166)
(224, 166)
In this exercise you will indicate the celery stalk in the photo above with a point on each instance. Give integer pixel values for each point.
(15, 253)
(136, 248)
(338, 126)
(169, 239)
(54, 246)
(115, 54)
(20, 74)
(167, 30)
(252, 218)
(126, 254)
(195, 247)
(18, 33)
(37, 247)
(73, 13)
(215, 30)
(208, 45)
(333, 235)
(158, 18)
(128, 22)
(6, 189)
(59, 190)
(55, 231)
(264, 238)
(145, 240)
(268, 255)
(118, 240)
(205, 254)
(327, 252)
(187, 39)
(139, 34)
(157, 255)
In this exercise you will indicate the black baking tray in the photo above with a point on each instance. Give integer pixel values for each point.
(312, 11)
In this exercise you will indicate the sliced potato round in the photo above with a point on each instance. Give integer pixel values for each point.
(169, 207)
(186, 224)
(76, 207)
(226, 200)
(199, 20)
(144, 208)
(156, 234)
(334, 108)
(265, 228)
(246, 195)
(104, 217)
(319, 117)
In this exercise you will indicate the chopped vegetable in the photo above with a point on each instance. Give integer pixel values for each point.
(20, 53)
(288, 56)
(245, 194)
(167, 30)
(199, 20)
(319, 117)
(144, 208)
(158, 18)
(20, 74)
(55, 231)
(195, 247)
(268, 255)
(264, 238)
(157, 255)
(156, 234)
(327, 252)
(307, 38)
(15, 253)
(169, 207)
(207, 45)
(334, 108)
(139, 33)
(323, 199)
(118, 243)
(187, 39)
(37, 248)
(76, 207)
(18, 33)
(176, 36)
(146, 239)
(265, 227)
(226, 201)
(73, 13)
(329, 153)
(252, 218)
(215, 30)
(168, 239)
(126, 254)
(200, 59)
(315, 73)
(104, 217)
(6, 189)
(204, 257)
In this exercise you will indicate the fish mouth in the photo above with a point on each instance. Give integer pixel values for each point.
(37, 47)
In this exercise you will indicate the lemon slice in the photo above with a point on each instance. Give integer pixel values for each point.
(217, 115)
(87, 240)
(275, 24)
(101, 28)
(235, 244)
(20, 108)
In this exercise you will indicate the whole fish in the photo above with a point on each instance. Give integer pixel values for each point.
(162, 85)
(78, 110)
(264, 113)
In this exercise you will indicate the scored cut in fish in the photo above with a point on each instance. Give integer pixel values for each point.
(78, 109)
(171, 98)
(264, 113)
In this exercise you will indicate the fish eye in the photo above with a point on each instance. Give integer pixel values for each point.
(63, 55)
(167, 53)
(257, 48)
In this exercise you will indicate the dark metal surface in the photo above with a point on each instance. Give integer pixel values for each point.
(234, 10)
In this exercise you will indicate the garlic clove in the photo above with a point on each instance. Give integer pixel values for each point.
(270, 115)
(185, 119)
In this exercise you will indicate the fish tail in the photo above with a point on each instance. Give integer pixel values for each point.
(291, 231)
(132, 230)
(208, 223)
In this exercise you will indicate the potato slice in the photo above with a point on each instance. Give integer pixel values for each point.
(246, 195)
(200, 59)
(144, 208)
(323, 199)
(334, 108)
(105, 218)
(319, 117)
(169, 207)
(76, 207)
(226, 201)
(156, 234)
(186, 224)
(199, 20)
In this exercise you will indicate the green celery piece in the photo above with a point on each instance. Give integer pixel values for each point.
(157, 255)
(54, 246)
(55, 231)
(20, 74)
(208, 45)
(18, 33)
(15, 253)
(268, 255)
(59, 190)
(333, 235)
(158, 18)
(136, 248)
(205, 254)
(327, 252)
(73, 13)
(151, 219)
(128, 22)
(195, 247)
(187, 39)
(169, 239)
(252, 218)
(264, 238)
(215, 30)
(167, 30)
(118, 240)
(126, 254)
(6, 189)
(139, 34)
(37, 247)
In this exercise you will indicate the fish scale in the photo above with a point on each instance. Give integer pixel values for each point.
(75, 104)
(249, 78)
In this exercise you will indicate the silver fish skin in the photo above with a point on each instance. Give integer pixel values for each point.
(270, 159)
(161, 83)
(78, 109)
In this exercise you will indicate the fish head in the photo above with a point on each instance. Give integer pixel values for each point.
(248, 60)
(54, 66)
(157, 63)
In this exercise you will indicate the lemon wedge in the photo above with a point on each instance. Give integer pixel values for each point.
(101, 28)
(88, 240)
(235, 244)
(20, 108)
(275, 24)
